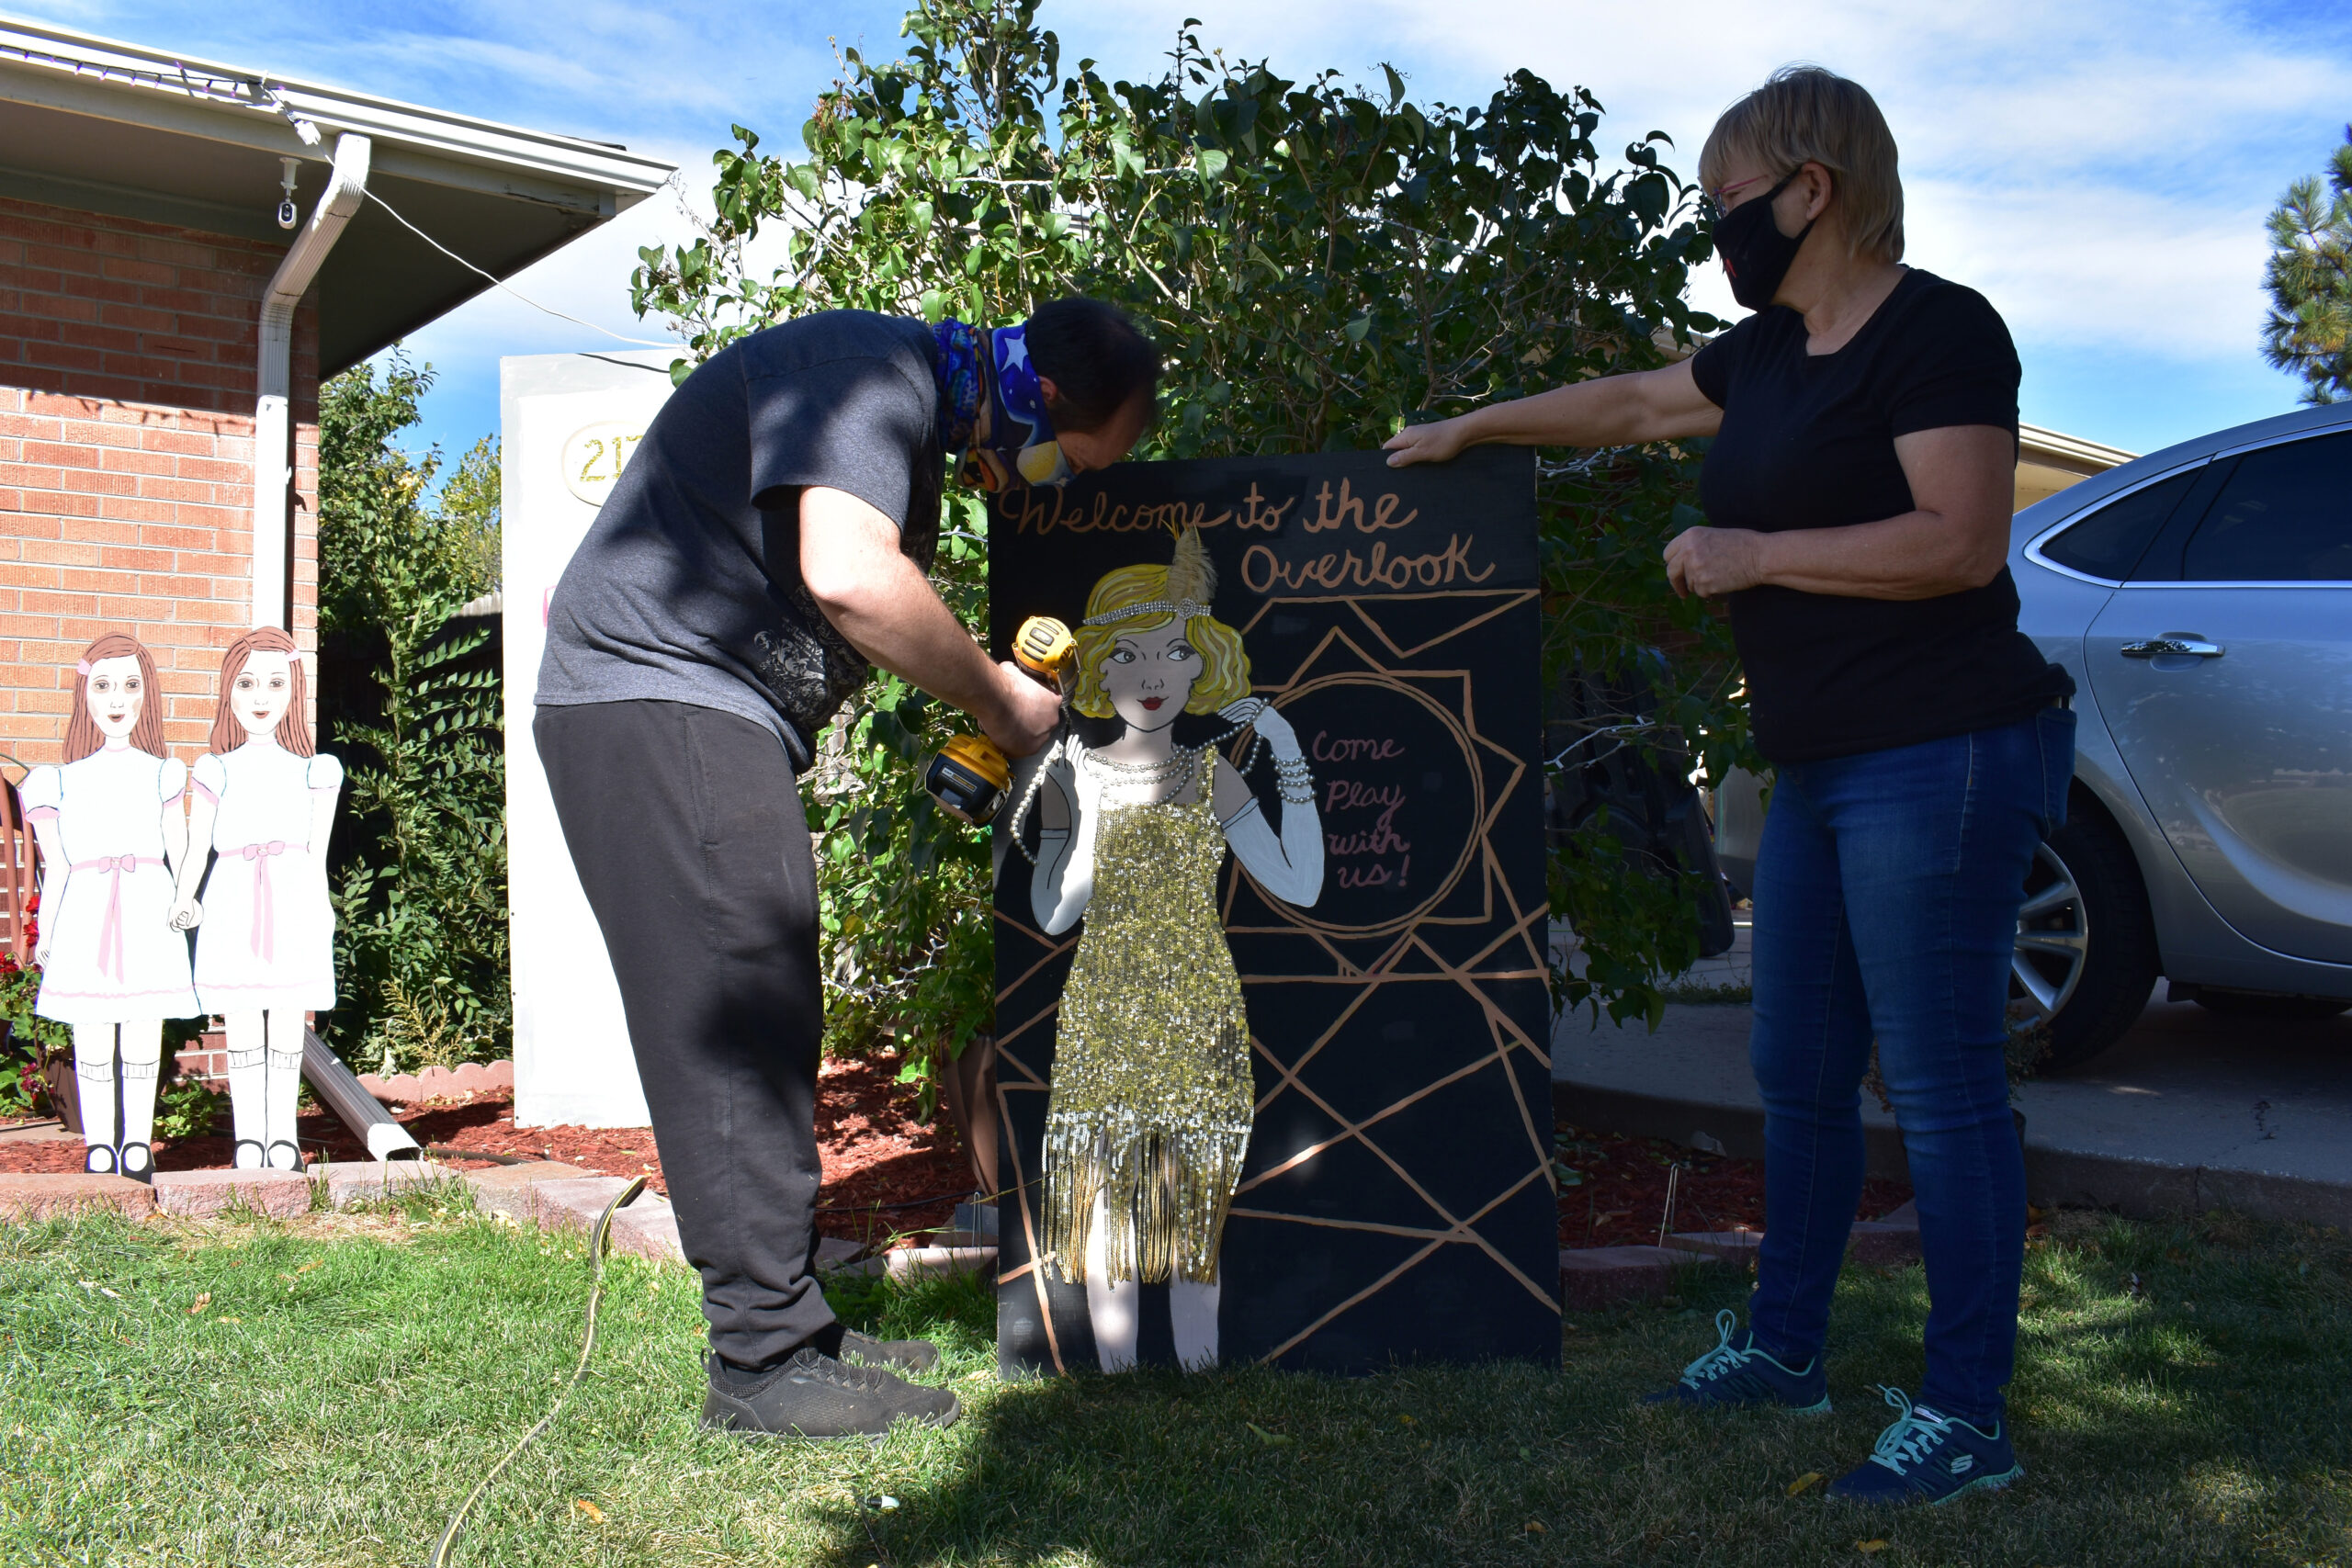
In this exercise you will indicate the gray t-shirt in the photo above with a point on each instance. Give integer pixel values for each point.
(687, 588)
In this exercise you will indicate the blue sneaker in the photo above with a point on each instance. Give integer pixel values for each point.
(1732, 1375)
(1927, 1457)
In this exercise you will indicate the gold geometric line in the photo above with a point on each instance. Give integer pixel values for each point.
(1517, 598)
(1349, 1129)
(1052, 952)
(1461, 1227)
(1408, 1232)
(1029, 1234)
(1289, 1074)
(1405, 1176)
(1526, 1117)
(1366, 1293)
(1030, 1022)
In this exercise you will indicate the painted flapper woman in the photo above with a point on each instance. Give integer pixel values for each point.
(111, 829)
(1151, 1100)
(264, 947)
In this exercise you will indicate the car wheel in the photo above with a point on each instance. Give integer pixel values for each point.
(2085, 956)
(2260, 1004)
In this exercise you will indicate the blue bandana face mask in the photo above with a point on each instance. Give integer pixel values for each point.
(993, 367)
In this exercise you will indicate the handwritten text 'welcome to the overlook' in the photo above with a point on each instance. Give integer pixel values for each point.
(1265, 569)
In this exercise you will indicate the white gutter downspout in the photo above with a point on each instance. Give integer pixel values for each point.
(273, 379)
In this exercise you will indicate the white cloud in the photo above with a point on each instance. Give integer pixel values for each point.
(2098, 168)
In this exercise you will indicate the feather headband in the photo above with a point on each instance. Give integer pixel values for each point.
(1192, 585)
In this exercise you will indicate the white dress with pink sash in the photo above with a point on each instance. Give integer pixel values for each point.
(113, 955)
(268, 936)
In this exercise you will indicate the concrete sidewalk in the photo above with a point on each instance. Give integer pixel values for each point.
(2190, 1110)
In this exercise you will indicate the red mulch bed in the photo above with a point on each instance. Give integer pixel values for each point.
(1619, 1196)
(888, 1174)
(884, 1172)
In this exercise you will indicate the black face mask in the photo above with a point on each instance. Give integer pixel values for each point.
(1756, 254)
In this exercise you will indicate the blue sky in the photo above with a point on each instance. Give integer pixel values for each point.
(2100, 170)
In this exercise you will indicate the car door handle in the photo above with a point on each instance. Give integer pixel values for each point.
(2195, 647)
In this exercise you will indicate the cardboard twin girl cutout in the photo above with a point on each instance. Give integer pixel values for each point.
(112, 831)
(125, 848)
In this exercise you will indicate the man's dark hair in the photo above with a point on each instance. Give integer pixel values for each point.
(1097, 358)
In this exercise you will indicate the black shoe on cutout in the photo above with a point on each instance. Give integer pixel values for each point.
(137, 1161)
(898, 1354)
(814, 1395)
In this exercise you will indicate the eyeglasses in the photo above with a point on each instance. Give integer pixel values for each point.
(1713, 205)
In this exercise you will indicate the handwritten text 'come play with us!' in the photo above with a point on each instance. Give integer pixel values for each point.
(1265, 569)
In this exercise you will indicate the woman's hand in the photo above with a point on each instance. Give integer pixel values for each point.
(1439, 442)
(1710, 562)
(187, 915)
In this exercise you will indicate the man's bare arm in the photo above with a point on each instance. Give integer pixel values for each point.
(882, 602)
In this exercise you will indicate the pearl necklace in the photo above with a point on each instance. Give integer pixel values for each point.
(1135, 773)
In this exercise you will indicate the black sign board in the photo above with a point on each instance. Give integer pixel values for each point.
(1397, 1200)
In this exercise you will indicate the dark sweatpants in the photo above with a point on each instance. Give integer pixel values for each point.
(685, 825)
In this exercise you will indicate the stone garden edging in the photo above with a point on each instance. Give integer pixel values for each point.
(545, 1193)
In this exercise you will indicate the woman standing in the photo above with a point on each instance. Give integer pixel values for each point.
(1152, 1097)
(264, 799)
(1857, 495)
(111, 829)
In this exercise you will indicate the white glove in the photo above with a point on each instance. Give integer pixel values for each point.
(1281, 738)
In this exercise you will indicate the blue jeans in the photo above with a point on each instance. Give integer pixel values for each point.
(1887, 889)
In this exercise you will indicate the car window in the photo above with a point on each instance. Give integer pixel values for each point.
(2109, 542)
(2284, 516)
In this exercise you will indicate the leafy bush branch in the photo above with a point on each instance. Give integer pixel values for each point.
(420, 933)
(1320, 262)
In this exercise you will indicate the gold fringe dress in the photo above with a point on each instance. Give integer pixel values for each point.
(1151, 1098)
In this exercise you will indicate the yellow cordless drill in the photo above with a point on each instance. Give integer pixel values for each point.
(969, 776)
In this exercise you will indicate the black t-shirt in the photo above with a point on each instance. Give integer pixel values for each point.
(687, 587)
(1808, 442)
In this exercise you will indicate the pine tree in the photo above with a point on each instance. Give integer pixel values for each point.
(2310, 278)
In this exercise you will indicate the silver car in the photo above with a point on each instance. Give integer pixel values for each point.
(2201, 597)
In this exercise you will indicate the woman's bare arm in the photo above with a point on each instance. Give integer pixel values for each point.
(1609, 411)
(1964, 485)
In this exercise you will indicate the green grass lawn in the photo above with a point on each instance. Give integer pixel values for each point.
(350, 1378)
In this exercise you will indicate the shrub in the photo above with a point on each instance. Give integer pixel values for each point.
(1319, 264)
(420, 935)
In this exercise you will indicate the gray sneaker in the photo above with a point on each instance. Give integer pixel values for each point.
(815, 1395)
(898, 1355)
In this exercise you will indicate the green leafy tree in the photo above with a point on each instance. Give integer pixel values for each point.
(2309, 331)
(420, 935)
(1320, 262)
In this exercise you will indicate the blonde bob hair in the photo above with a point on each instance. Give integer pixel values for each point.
(1805, 115)
(1224, 666)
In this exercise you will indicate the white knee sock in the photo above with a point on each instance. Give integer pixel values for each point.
(247, 1094)
(94, 1073)
(1192, 1311)
(1110, 1309)
(285, 1088)
(142, 1057)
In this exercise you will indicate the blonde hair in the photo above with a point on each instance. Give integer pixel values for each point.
(1805, 115)
(1187, 579)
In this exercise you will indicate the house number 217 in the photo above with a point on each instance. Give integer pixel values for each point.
(594, 457)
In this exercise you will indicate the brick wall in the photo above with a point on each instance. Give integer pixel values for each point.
(126, 451)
